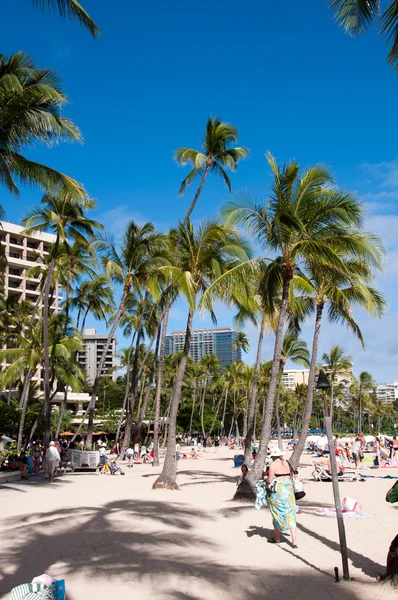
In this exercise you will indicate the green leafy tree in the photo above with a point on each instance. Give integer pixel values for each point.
(336, 363)
(130, 266)
(295, 350)
(216, 155)
(202, 256)
(303, 220)
(66, 219)
(31, 100)
(340, 289)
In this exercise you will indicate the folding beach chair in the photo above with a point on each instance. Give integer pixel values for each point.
(321, 474)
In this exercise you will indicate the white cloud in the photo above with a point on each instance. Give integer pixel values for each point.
(385, 173)
(116, 219)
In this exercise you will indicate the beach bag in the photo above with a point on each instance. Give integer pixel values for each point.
(32, 591)
(376, 461)
(351, 505)
(298, 488)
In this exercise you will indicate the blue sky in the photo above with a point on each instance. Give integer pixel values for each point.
(284, 73)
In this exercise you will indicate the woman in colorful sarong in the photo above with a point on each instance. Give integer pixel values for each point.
(281, 499)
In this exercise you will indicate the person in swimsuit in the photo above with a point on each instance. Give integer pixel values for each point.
(282, 501)
(394, 447)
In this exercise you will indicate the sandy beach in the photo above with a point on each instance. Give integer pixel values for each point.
(113, 537)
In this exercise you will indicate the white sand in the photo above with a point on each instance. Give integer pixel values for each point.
(113, 537)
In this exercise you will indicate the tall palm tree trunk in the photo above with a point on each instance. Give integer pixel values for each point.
(24, 400)
(253, 395)
(61, 412)
(137, 429)
(159, 381)
(224, 410)
(46, 348)
(126, 394)
(216, 414)
(298, 450)
(193, 406)
(295, 420)
(85, 316)
(133, 393)
(202, 407)
(246, 489)
(331, 398)
(198, 192)
(159, 378)
(167, 478)
(277, 414)
(91, 406)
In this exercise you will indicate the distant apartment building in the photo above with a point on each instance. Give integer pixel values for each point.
(293, 377)
(218, 341)
(21, 253)
(90, 357)
(385, 392)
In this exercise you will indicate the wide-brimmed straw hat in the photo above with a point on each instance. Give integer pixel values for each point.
(276, 452)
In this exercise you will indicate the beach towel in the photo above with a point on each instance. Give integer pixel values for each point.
(261, 495)
(328, 512)
(282, 504)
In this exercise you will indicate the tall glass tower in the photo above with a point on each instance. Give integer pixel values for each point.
(218, 341)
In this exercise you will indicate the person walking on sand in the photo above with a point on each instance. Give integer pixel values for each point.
(355, 452)
(37, 456)
(282, 502)
(52, 461)
(376, 461)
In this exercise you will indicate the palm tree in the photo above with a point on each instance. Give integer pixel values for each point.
(141, 251)
(66, 219)
(340, 289)
(74, 260)
(30, 112)
(365, 385)
(295, 350)
(216, 156)
(241, 342)
(94, 295)
(302, 220)
(26, 353)
(202, 256)
(211, 369)
(356, 16)
(301, 394)
(336, 363)
(69, 9)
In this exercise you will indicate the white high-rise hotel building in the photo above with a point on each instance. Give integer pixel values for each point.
(21, 253)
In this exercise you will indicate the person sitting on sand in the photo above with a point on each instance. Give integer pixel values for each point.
(244, 471)
(194, 454)
(130, 456)
(327, 463)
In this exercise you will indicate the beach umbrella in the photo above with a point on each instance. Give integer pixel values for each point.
(6, 439)
(322, 442)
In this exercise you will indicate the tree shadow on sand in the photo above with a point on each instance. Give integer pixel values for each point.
(126, 541)
(366, 564)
